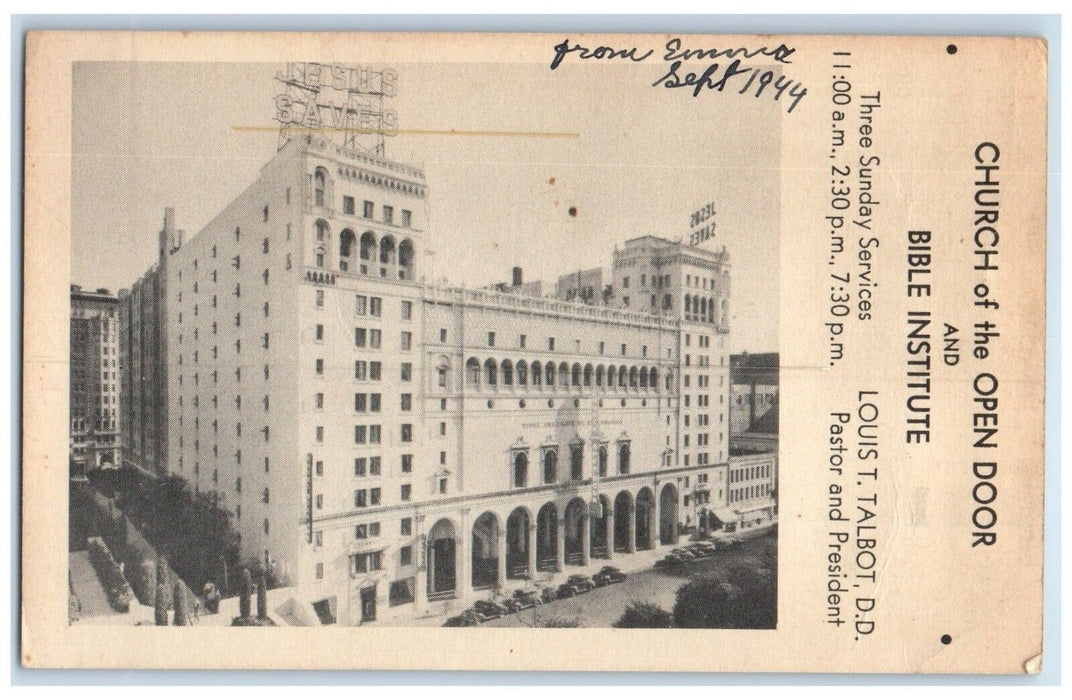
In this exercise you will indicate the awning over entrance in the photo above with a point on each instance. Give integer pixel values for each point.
(726, 515)
(762, 505)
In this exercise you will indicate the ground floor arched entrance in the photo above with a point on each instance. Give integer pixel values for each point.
(645, 508)
(547, 538)
(668, 514)
(576, 532)
(442, 564)
(598, 529)
(485, 551)
(517, 544)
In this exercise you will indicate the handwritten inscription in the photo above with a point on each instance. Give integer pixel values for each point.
(732, 72)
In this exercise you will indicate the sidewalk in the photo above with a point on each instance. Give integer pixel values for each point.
(88, 587)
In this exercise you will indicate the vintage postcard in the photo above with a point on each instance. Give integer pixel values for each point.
(624, 352)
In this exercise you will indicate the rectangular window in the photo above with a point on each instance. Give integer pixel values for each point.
(406, 527)
(320, 467)
(320, 367)
(442, 457)
(407, 371)
(374, 466)
(360, 465)
(407, 218)
(360, 403)
(347, 205)
(320, 433)
(374, 496)
(406, 491)
(374, 371)
(405, 556)
(369, 209)
(407, 402)
(360, 498)
(374, 434)
(360, 337)
(407, 463)
(319, 566)
(407, 432)
(361, 532)
(442, 335)
(388, 214)
(550, 343)
(361, 370)
(319, 500)
(375, 335)
(407, 340)
(374, 403)
(491, 339)
(407, 310)
(362, 305)
(623, 349)
(376, 306)
(360, 434)
(442, 486)
(319, 399)
(265, 213)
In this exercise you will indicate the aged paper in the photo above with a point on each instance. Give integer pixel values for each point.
(655, 353)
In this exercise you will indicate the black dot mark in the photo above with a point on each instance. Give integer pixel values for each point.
(951, 49)
(946, 639)
(573, 211)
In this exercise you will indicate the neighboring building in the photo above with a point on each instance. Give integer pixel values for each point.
(143, 347)
(95, 366)
(754, 397)
(384, 443)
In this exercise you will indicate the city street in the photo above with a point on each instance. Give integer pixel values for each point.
(603, 606)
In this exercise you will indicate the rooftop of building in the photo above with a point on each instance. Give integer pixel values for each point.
(99, 294)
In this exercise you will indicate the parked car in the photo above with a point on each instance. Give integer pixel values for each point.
(701, 550)
(468, 618)
(732, 542)
(568, 590)
(608, 575)
(683, 553)
(524, 599)
(670, 561)
(489, 609)
(582, 582)
(548, 594)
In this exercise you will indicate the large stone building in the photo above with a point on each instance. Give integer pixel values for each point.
(143, 347)
(95, 365)
(385, 444)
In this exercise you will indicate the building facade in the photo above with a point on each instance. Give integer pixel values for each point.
(385, 444)
(143, 346)
(95, 419)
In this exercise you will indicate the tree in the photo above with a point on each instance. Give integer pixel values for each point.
(262, 599)
(180, 606)
(161, 605)
(245, 594)
(757, 602)
(704, 602)
(645, 616)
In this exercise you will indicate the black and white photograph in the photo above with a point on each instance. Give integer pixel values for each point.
(412, 345)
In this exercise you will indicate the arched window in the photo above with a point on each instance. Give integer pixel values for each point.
(633, 377)
(387, 250)
(668, 380)
(550, 374)
(643, 378)
(623, 375)
(537, 374)
(576, 462)
(602, 460)
(368, 245)
(472, 372)
(347, 241)
(588, 375)
(599, 375)
(319, 185)
(576, 379)
(653, 378)
(521, 470)
(668, 301)
(522, 371)
(611, 376)
(688, 304)
(623, 458)
(564, 373)
(442, 371)
(491, 372)
(550, 466)
(507, 373)
(405, 259)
